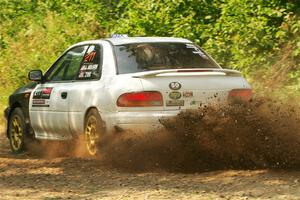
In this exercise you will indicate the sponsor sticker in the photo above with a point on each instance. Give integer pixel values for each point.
(196, 50)
(38, 101)
(175, 95)
(90, 56)
(37, 94)
(43, 93)
(85, 74)
(175, 103)
(46, 93)
(41, 97)
(89, 67)
(188, 94)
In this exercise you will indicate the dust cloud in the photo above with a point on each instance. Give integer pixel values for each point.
(264, 133)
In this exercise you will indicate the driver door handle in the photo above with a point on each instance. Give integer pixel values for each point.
(64, 95)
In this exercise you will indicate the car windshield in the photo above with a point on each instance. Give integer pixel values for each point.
(157, 56)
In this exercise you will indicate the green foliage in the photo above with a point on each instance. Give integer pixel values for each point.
(34, 33)
(251, 36)
(188, 19)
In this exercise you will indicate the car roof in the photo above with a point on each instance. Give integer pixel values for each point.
(132, 40)
(129, 40)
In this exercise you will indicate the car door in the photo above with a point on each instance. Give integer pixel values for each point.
(87, 89)
(49, 102)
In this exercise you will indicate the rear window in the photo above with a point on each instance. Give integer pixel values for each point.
(157, 56)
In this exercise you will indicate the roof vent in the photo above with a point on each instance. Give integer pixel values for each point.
(119, 36)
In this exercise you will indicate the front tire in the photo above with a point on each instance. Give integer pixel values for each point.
(17, 131)
(93, 131)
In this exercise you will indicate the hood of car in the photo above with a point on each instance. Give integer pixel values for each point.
(26, 88)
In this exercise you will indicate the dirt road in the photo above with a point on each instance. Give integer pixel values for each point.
(31, 177)
(262, 136)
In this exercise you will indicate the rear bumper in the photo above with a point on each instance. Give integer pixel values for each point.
(142, 121)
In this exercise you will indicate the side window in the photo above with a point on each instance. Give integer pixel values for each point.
(68, 66)
(91, 66)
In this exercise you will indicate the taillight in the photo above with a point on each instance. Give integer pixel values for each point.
(140, 99)
(240, 95)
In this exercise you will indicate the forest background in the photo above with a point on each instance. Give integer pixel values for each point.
(259, 38)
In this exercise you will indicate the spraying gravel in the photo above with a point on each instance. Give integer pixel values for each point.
(261, 134)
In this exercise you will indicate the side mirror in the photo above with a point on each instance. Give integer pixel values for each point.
(35, 75)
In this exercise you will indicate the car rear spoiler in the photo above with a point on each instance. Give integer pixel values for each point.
(204, 71)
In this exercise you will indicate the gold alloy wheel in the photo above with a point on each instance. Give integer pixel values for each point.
(16, 135)
(91, 136)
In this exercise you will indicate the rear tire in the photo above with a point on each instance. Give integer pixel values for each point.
(17, 131)
(93, 131)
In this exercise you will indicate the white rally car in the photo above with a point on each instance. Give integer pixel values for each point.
(96, 87)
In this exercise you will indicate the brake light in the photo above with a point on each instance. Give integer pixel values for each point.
(240, 95)
(196, 70)
(140, 99)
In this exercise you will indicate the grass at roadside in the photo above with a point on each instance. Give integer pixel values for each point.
(3, 104)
